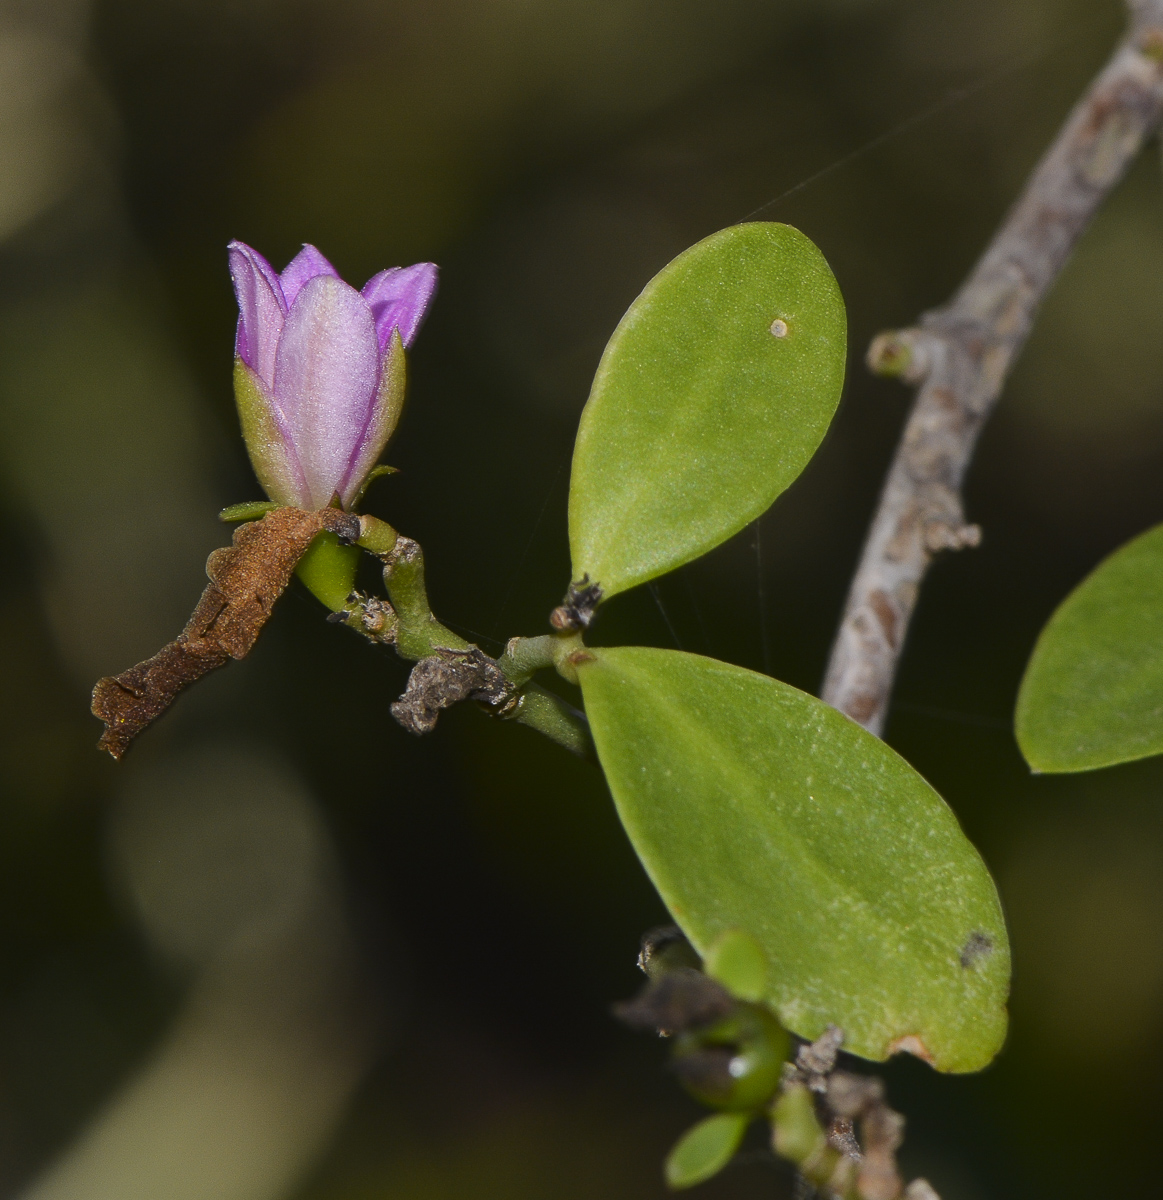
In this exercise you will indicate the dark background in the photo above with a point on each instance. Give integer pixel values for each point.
(287, 950)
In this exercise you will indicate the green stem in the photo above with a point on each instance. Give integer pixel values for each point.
(797, 1135)
(552, 716)
(524, 656)
(419, 633)
(410, 626)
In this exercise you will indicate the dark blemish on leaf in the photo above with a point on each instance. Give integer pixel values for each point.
(978, 946)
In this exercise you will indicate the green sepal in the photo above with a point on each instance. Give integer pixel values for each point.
(274, 462)
(372, 475)
(389, 403)
(1092, 695)
(328, 570)
(248, 510)
(705, 1149)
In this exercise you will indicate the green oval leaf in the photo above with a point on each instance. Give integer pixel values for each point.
(699, 415)
(705, 1149)
(755, 806)
(1092, 695)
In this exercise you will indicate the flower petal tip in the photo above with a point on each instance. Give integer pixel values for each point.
(399, 299)
(261, 309)
(305, 266)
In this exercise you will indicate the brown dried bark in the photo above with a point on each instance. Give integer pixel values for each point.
(246, 579)
(960, 355)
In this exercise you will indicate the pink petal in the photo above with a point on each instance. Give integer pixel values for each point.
(305, 265)
(399, 299)
(326, 374)
(381, 423)
(261, 310)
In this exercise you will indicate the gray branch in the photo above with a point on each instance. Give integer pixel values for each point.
(959, 356)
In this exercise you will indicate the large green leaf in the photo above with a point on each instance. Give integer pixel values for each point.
(754, 806)
(1092, 695)
(699, 414)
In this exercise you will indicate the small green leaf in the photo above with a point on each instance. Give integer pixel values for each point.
(754, 806)
(1092, 695)
(705, 1149)
(737, 961)
(328, 570)
(248, 510)
(700, 415)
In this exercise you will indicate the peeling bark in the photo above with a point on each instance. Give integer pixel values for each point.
(246, 579)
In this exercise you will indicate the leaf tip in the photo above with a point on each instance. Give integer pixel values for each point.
(705, 1149)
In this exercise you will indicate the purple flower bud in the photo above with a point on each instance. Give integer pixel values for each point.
(319, 370)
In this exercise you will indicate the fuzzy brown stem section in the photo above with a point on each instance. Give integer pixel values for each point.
(959, 356)
(246, 579)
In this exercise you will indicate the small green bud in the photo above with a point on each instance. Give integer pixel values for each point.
(737, 961)
(376, 536)
(666, 949)
(890, 354)
(328, 570)
(736, 1063)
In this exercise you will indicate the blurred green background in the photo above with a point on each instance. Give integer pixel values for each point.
(285, 950)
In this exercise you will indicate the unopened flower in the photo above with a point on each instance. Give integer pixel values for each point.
(319, 370)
